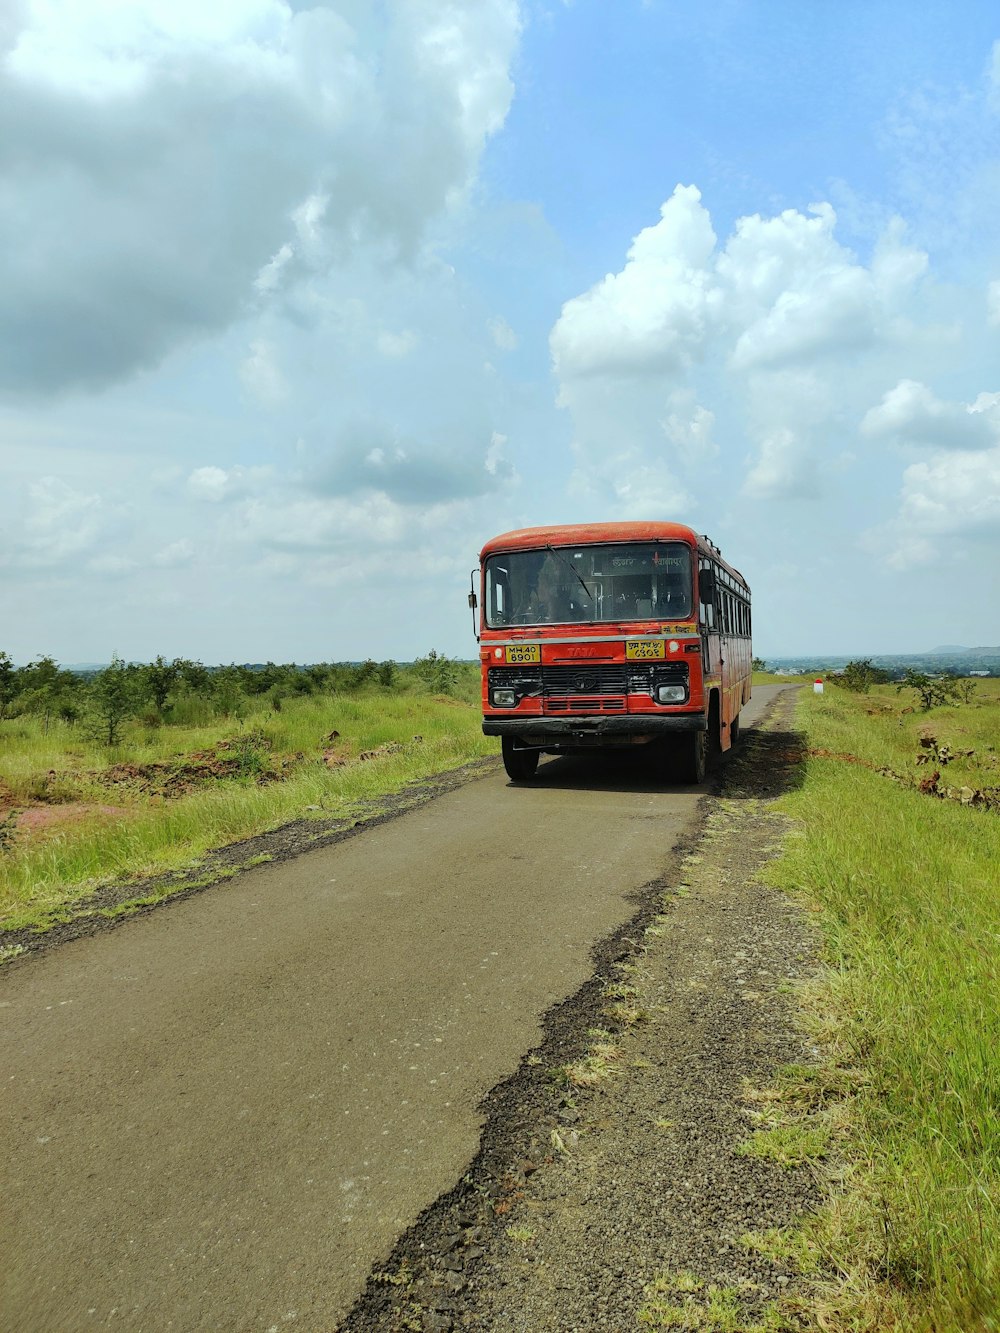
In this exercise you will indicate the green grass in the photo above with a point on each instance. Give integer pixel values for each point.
(43, 874)
(523, 1235)
(908, 886)
(682, 1301)
(787, 1145)
(789, 1247)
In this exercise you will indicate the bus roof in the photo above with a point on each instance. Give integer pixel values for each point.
(589, 534)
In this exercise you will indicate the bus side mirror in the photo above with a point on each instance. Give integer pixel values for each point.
(473, 603)
(706, 586)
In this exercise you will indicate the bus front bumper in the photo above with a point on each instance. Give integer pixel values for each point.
(635, 729)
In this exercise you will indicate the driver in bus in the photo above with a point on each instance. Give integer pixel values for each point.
(551, 601)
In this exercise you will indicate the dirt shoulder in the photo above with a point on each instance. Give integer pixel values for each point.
(609, 1192)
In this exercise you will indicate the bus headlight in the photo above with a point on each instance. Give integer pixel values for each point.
(670, 694)
(504, 699)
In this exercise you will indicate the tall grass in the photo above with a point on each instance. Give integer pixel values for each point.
(910, 887)
(43, 874)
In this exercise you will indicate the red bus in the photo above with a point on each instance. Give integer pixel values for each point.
(611, 635)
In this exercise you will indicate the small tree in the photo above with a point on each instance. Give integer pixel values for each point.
(320, 676)
(758, 664)
(158, 679)
(301, 681)
(861, 675)
(195, 676)
(113, 696)
(8, 685)
(227, 691)
(45, 689)
(966, 689)
(438, 671)
(364, 673)
(931, 692)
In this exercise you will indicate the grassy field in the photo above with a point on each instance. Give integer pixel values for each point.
(908, 883)
(80, 814)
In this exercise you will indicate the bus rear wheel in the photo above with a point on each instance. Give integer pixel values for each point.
(519, 762)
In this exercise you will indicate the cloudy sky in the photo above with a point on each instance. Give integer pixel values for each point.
(303, 300)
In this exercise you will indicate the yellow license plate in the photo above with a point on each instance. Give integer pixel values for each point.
(526, 652)
(643, 649)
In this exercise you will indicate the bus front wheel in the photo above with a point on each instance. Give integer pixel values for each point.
(519, 763)
(692, 757)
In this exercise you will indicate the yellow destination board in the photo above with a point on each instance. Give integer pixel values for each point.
(644, 649)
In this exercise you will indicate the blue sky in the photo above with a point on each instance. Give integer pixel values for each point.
(303, 302)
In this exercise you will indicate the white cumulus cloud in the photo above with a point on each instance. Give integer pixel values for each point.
(954, 496)
(59, 526)
(396, 344)
(175, 555)
(651, 316)
(785, 469)
(688, 429)
(793, 293)
(261, 375)
(216, 484)
(502, 334)
(766, 329)
(911, 414)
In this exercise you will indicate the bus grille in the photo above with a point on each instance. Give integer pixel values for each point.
(600, 678)
(584, 703)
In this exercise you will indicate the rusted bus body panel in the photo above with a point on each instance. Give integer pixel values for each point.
(621, 708)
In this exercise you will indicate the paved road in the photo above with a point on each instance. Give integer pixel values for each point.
(221, 1115)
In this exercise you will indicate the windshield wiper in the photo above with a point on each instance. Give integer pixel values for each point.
(573, 570)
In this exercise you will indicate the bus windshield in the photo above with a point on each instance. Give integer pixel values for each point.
(574, 584)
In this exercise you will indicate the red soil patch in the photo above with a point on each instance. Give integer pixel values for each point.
(42, 818)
